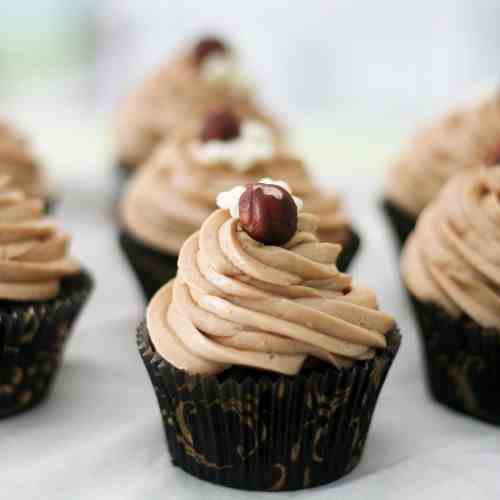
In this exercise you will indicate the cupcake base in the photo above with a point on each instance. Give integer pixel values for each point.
(462, 360)
(152, 268)
(401, 221)
(256, 430)
(32, 341)
(350, 247)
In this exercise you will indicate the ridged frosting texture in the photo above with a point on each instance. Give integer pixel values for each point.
(180, 91)
(18, 163)
(453, 257)
(460, 140)
(238, 302)
(33, 251)
(176, 191)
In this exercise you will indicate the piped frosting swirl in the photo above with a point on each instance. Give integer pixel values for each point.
(460, 140)
(18, 163)
(181, 91)
(453, 257)
(176, 191)
(33, 252)
(238, 302)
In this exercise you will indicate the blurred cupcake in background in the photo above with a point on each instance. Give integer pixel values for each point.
(451, 267)
(461, 139)
(266, 360)
(18, 162)
(173, 194)
(42, 290)
(184, 89)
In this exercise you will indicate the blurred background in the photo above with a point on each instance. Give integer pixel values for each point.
(351, 77)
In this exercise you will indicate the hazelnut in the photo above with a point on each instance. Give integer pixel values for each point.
(492, 157)
(220, 125)
(268, 213)
(207, 46)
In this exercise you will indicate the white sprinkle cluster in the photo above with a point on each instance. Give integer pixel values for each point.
(230, 200)
(255, 143)
(222, 68)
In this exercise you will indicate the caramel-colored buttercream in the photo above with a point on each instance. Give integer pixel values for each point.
(169, 199)
(460, 140)
(236, 301)
(33, 252)
(18, 163)
(453, 257)
(176, 94)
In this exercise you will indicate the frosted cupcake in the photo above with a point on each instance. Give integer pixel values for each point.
(184, 89)
(42, 290)
(451, 267)
(460, 140)
(18, 162)
(169, 199)
(267, 361)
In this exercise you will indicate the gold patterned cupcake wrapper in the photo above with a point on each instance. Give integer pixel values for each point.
(267, 432)
(32, 340)
(462, 361)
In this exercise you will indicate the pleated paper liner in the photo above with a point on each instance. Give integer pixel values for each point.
(32, 340)
(349, 251)
(401, 221)
(152, 268)
(462, 361)
(259, 431)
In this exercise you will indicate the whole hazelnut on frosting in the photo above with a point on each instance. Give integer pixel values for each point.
(207, 46)
(268, 213)
(220, 126)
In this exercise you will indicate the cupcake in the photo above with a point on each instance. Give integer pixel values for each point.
(460, 140)
(42, 290)
(207, 75)
(266, 360)
(169, 198)
(19, 164)
(451, 267)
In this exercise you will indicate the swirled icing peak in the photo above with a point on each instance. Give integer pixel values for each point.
(33, 252)
(182, 91)
(175, 192)
(236, 301)
(453, 257)
(460, 140)
(19, 164)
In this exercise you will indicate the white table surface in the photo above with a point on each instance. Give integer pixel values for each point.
(99, 436)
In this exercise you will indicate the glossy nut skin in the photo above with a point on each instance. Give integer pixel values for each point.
(207, 46)
(220, 126)
(268, 213)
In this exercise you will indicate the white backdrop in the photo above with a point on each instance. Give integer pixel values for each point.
(379, 59)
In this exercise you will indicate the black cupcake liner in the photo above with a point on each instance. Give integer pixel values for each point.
(152, 268)
(349, 251)
(462, 361)
(401, 221)
(256, 430)
(32, 340)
